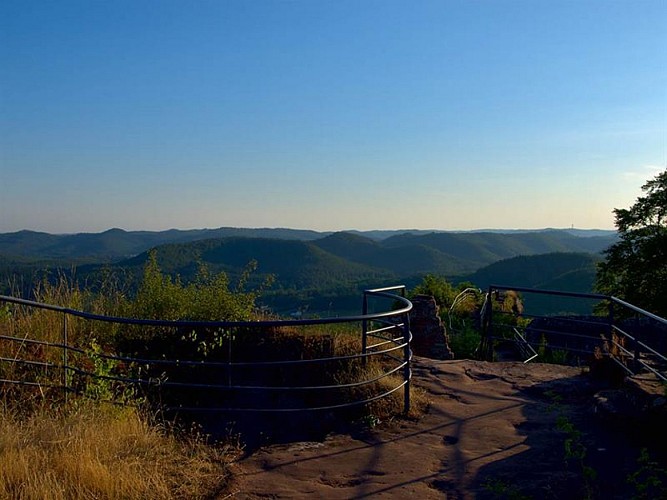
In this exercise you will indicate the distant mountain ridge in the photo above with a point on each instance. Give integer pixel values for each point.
(115, 244)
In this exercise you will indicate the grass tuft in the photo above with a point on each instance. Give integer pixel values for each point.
(95, 451)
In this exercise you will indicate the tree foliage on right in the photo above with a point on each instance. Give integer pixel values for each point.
(635, 268)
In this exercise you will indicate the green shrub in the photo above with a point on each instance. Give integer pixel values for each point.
(207, 298)
(464, 342)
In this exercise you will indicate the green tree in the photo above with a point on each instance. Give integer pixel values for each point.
(635, 268)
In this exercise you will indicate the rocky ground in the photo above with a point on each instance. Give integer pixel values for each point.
(493, 430)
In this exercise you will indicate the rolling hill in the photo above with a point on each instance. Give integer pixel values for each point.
(116, 244)
(568, 272)
(311, 264)
(555, 271)
(294, 264)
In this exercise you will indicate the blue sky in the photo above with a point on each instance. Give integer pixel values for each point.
(328, 115)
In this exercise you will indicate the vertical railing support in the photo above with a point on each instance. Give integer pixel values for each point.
(486, 321)
(610, 338)
(230, 337)
(65, 367)
(407, 370)
(610, 319)
(636, 368)
(364, 329)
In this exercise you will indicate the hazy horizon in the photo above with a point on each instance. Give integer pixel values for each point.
(372, 115)
(489, 229)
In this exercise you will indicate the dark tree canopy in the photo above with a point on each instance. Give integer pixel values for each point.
(635, 268)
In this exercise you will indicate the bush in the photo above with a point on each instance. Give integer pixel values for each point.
(207, 298)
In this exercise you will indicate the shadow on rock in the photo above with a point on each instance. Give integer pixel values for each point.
(585, 439)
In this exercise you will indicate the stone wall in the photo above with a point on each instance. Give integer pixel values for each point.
(429, 337)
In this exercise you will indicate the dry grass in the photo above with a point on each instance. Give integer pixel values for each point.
(103, 452)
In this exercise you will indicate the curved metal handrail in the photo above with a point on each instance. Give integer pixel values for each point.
(397, 343)
(383, 292)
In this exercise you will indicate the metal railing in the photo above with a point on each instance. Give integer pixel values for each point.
(246, 367)
(633, 338)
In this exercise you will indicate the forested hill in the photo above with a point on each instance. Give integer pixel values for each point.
(295, 264)
(116, 244)
(324, 265)
(478, 248)
(573, 272)
(345, 257)
(568, 272)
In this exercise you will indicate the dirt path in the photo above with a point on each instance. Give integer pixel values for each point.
(491, 432)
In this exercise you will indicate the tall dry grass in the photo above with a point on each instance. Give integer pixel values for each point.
(87, 449)
(102, 452)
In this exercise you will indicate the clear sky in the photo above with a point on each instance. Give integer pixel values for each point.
(328, 115)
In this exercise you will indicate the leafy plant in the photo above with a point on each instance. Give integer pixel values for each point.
(101, 383)
(649, 480)
(574, 448)
(207, 298)
(501, 488)
(464, 342)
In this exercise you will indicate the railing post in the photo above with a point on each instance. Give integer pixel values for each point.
(230, 336)
(486, 321)
(636, 362)
(407, 370)
(364, 329)
(65, 367)
(610, 339)
(610, 319)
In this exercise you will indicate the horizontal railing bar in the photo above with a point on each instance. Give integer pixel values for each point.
(581, 295)
(285, 410)
(381, 337)
(235, 363)
(384, 329)
(639, 310)
(379, 344)
(389, 322)
(654, 371)
(44, 364)
(32, 341)
(623, 348)
(375, 291)
(397, 359)
(624, 333)
(651, 350)
(220, 324)
(167, 383)
(31, 384)
(280, 388)
(565, 334)
(304, 361)
(138, 381)
(572, 320)
(621, 365)
(531, 358)
(556, 348)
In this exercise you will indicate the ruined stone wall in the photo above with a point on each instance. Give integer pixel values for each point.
(429, 337)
